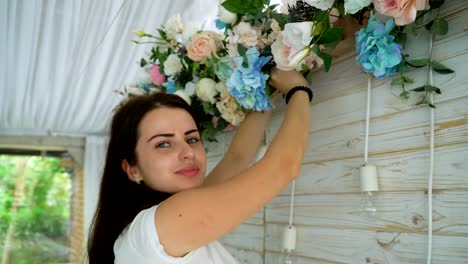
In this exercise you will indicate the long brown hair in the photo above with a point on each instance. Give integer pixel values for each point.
(120, 199)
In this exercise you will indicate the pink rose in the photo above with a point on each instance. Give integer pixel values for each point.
(404, 11)
(202, 45)
(157, 77)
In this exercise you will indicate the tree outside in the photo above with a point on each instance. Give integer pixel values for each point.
(34, 210)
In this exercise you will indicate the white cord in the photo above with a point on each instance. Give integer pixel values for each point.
(366, 141)
(431, 163)
(291, 208)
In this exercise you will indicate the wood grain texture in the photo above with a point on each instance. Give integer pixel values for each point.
(370, 246)
(330, 222)
(396, 211)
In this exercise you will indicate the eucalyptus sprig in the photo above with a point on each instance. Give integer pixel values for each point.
(437, 26)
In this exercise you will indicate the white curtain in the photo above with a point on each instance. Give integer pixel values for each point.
(95, 154)
(61, 61)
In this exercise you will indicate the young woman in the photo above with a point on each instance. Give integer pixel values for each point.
(156, 206)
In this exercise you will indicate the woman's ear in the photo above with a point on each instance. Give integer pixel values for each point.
(131, 171)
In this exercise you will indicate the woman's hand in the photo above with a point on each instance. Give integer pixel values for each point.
(284, 81)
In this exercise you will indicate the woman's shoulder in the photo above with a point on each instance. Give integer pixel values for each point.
(140, 242)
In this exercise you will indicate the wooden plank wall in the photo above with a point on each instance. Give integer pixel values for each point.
(331, 226)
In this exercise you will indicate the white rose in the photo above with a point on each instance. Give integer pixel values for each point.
(174, 24)
(144, 77)
(172, 65)
(132, 90)
(247, 35)
(320, 4)
(275, 26)
(226, 16)
(221, 87)
(298, 35)
(190, 88)
(206, 90)
(182, 94)
(311, 61)
(189, 32)
(287, 58)
(298, 57)
(353, 6)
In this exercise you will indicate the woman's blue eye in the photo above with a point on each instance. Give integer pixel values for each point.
(192, 140)
(163, 145)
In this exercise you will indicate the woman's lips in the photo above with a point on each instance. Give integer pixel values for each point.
(189, 171)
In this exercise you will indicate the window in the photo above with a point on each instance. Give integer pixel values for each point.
(36, 212)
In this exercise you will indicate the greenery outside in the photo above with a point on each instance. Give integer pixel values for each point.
(34, 210)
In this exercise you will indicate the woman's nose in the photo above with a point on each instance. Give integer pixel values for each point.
(187, 152)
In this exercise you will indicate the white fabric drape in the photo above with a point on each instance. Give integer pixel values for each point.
(54, 78)
(95, 154)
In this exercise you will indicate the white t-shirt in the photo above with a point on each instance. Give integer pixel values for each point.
(139, 244)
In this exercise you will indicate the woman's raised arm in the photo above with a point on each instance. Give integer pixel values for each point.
(193, 218)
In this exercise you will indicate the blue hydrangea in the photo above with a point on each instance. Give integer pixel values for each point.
(377, 52)
(144, 86)
(247, 84)
(170, 86)
(224, 68)
(220, 24)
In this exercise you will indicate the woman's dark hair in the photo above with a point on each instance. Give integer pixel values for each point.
(120, 199)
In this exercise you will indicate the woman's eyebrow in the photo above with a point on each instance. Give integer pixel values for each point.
(171, 134)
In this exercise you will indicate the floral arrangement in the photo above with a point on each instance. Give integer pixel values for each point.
(224, 73)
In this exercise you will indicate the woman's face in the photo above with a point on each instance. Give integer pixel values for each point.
(170, 155)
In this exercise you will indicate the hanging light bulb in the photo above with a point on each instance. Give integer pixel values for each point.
(289, 244)
(369, 187)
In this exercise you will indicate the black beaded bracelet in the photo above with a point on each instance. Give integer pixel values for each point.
(299, 88)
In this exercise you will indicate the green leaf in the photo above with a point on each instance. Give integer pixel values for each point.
(162, 33)
(208, 108)
(241, 49)
(417, 63)
(431, 88)
(440, 68)
(427, 88)
(419, 89)
(340, 7)
(282, 19)
(410, 29)
(436, 3)
(195, 67)
(407, 79)
(423, 101)
(318, 29)
(439, 27)
(404, 95)
(324, 18)
(402, 67)
(327, 58)
(143, 62)
(245, 61)
(243, 7)
(428, 26)
(332, 35)
(209, 135)
(397, 81)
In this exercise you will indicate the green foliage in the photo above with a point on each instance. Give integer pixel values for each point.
(44, 210)
(244, 7)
